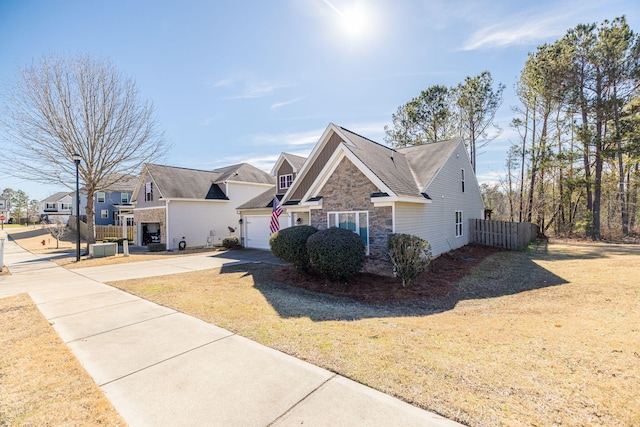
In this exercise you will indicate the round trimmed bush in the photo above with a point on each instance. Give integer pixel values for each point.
(337, 253)
(231, 242)
(290, 245)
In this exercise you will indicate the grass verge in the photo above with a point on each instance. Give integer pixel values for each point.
(63, 252)
(545, 337)
(42, 383)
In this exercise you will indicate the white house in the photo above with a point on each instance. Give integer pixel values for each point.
(174, 205)
(57, 207)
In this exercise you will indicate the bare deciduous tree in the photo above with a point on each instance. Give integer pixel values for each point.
(58, 230)
(60, 106)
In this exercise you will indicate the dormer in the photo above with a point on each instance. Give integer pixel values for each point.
(285, 170)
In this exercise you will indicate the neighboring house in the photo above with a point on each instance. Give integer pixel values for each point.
(57, 207)
(173, 204)
(112, 202)
(4, 206)
(256, 213)
(351, 182)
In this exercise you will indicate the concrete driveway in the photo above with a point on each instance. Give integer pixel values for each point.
(177, 264)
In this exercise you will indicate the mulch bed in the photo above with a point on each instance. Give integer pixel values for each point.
(437, 282)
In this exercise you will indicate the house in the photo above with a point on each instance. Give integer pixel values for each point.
(57, 207)
(4, 206)
(114, 201)
(352, 182)
(256, 213)
(174, 204)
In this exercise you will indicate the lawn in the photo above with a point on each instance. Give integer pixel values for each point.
(41, 382)
(63, 252)
(544, 337)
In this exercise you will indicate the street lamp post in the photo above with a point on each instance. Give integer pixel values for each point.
(76, 160)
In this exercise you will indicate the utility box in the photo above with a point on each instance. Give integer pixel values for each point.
(101, 250)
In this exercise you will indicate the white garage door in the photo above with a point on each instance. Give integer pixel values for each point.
(257, 231)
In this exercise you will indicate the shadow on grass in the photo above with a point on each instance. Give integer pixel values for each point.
(504, 273)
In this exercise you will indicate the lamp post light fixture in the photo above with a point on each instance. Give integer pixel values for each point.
(76, 159)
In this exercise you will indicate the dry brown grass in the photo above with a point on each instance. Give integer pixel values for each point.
(41, 382)
(31, 238)
(546, 337)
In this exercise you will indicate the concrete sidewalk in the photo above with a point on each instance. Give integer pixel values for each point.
(160, 367)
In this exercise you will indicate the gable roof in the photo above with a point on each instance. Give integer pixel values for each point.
(183, 183)
(393, 170)
(122, 183)
(243, 172)
(426, 160)
(56, 197)
(261, 201)
(405, 172)
(295, 161)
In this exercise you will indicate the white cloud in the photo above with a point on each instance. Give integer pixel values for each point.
(293, 139)
(284, 103)
(223, 83)
(514, 33)
(528, 27)
(254, 90)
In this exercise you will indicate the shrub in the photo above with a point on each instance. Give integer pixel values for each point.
(410, 256)
(337, 253)
(231, 242)
(156, 247)
(290, 245)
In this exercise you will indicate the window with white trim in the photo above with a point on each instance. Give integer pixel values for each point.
(458, 223)
(104, 213)
(356, 221)
(462, 180)
(124, 198)
(66, 206)
(148, 192)
(100, 196)
(286, 181)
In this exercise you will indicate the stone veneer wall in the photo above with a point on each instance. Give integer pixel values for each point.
(348, 189)
(150, 215)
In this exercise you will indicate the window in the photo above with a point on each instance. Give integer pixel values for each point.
(104, 213)
(50, 206)
(285, 181)
(100, 196)
(458, 223)
(66, 206)
(148, 191)
(358, 222)
(463, 180)
(124, 198)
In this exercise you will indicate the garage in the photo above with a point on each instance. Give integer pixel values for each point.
(256, 230)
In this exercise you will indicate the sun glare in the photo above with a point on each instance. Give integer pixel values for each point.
(355, 19)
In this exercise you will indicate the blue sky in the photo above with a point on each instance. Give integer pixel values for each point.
(243, 80)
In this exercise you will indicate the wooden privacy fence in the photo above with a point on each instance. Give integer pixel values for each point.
(502, 234)
(102, 231)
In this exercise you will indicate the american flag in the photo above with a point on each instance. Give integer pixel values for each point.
(275, 213)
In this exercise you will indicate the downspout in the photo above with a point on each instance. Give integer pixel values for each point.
(166, 224)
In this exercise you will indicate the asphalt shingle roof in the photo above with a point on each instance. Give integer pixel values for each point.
(296, 161)
(406, 171)
(261, 201)
(182, 183)
(426, 160)
(56, 197)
